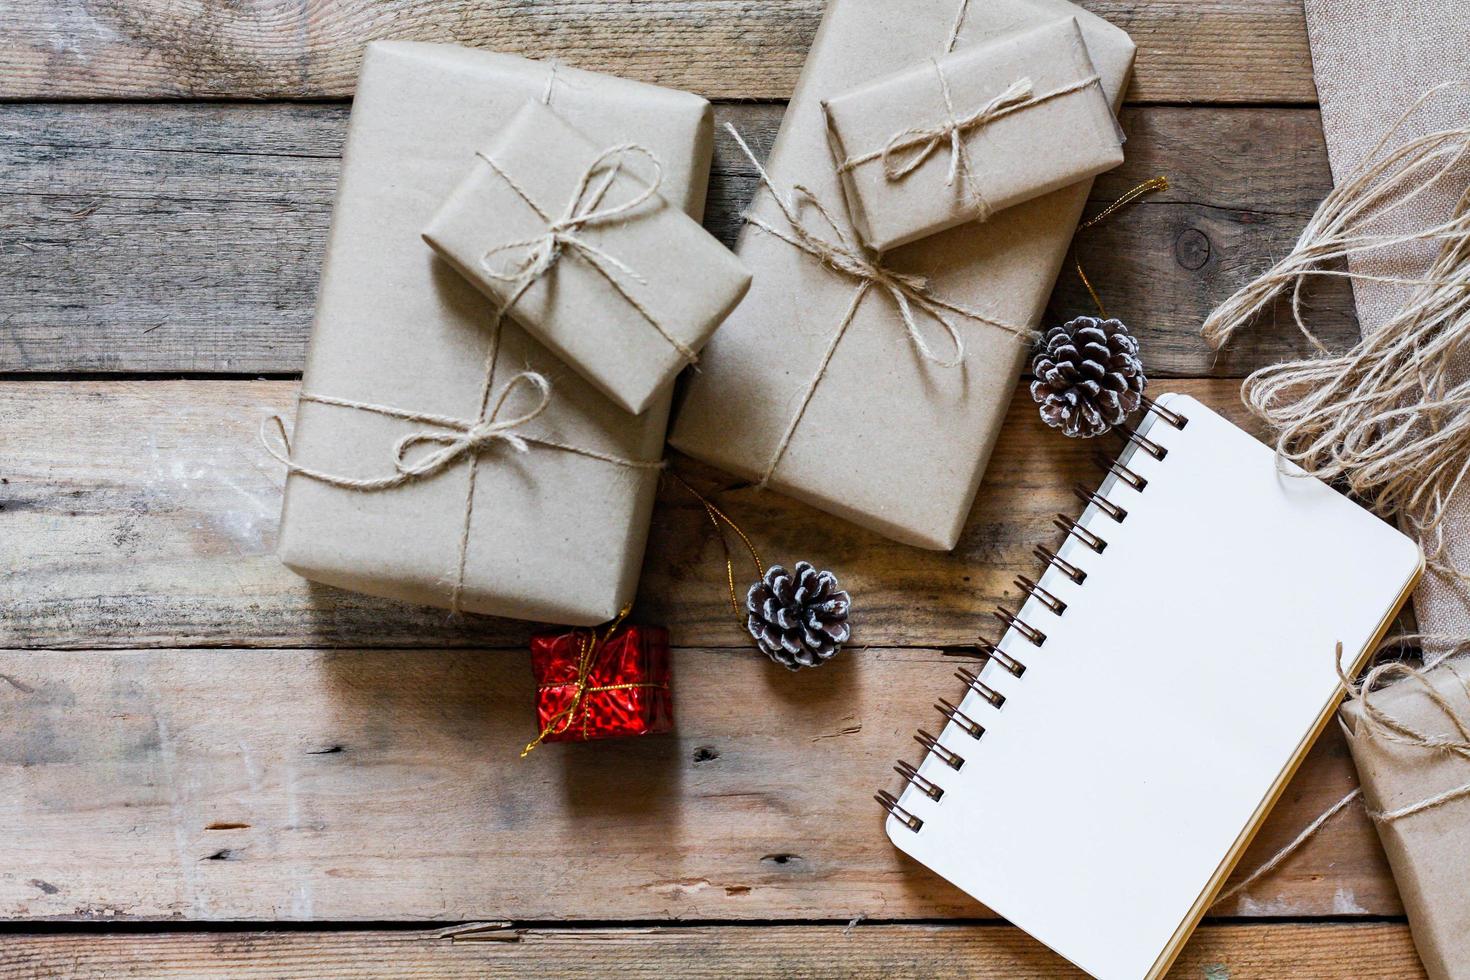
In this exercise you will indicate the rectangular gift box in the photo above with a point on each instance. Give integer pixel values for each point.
(553, 534)
(589, 686)
(1428, 850)
(629, 295)
(958, 138)
(815, 385)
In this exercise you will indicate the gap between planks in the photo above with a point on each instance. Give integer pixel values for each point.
(201, 263)
(227, 785)
(1380, 951)
(1223, 51)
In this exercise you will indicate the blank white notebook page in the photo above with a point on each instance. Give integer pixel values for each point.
(1170, 701)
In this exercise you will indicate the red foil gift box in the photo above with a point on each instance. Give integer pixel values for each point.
(602, 684)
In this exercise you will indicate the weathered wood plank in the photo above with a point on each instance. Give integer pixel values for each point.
(1220, 51)
(141, 514)
(384, 784)
(1378, 951)
(164, 238)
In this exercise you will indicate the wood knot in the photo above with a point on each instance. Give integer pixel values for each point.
(1192, 249)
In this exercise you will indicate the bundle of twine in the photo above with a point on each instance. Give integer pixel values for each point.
(1388, 420)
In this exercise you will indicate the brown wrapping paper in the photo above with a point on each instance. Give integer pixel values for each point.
(1429, 851)
(555, 535)
(888, 438)
(634, 287)
(984, 128)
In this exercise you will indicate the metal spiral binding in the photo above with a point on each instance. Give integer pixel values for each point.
(988, 651)
(1100, 502)
(981, 688)
(1049, 557)
(1030, 632)
(1143, 442)
(1173, 418)
(1065, 523)
(1040, 595)
(1012, 666)
(911, 775)
(952, 712)
(949, 757)
(1122, 472)
(889, 802)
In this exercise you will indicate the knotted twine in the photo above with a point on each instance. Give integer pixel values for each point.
(563, 234)
(844, 255)
(471, 438)
(907, 150)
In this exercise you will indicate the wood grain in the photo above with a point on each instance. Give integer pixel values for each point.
(226, 784)
(1379, 951)
(1219, 51)
(142, 514)
(162, 238)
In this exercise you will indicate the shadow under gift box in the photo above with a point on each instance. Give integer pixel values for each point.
(888, 439)
(553, 536)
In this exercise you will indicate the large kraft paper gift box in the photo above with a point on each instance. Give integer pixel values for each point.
(545, 533)
(883, 433)
(1429, 847)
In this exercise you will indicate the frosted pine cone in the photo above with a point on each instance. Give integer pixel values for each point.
(798, 618)
(1088, 376)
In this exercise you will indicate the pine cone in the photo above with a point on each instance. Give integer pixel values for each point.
(798, 618)
(1088, 376)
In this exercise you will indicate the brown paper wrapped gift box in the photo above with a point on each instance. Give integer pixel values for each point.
(555, 536)
(888, 439)
(635, 287)
(1429, 850)
(1029, 114)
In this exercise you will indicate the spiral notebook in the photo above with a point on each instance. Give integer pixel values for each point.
(1116, 750)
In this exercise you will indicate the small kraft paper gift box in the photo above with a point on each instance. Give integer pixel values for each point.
(957, 138)
(441, 455)
(1410, 746)
(608, 683)
(873, 385)
(573, 239)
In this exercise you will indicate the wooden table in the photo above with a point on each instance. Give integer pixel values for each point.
(209, 765)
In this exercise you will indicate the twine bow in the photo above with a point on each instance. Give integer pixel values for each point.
(843, 254)
(905, 152)
(478, 437)
(523, 262)
(466, 439)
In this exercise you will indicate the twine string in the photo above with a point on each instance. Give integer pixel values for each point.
(1159, 183)
(1379, 724)
(840, 252)
(716, 517)
(1390, 417)
(954, 28)
(521, 263)
(908, 149)
(464, 439)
